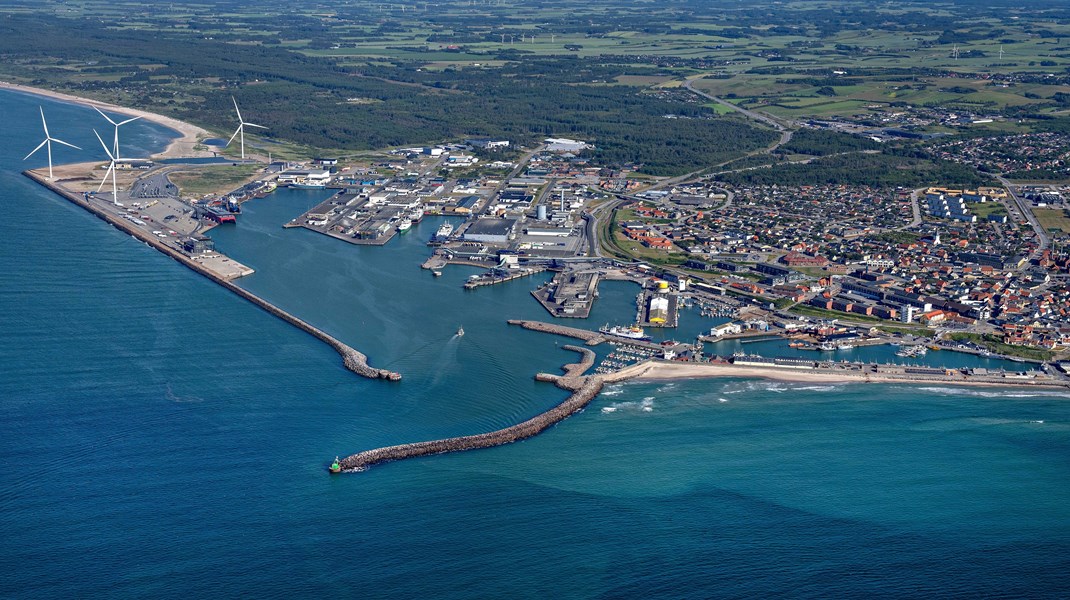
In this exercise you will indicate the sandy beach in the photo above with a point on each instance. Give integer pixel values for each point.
(658, 370)
(183, 146)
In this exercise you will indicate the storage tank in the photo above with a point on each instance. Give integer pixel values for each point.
(540, 212)
(663, 286)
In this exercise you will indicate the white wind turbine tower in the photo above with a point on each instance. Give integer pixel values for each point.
(48, 143)
(115, 146)
(111, 171)
(240, 131)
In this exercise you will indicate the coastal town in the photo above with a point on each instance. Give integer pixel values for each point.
(985, 269)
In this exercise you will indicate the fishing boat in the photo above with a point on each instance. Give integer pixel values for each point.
(460, 331)
(404, 225)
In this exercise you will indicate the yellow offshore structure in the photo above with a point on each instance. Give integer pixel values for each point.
(659, 310)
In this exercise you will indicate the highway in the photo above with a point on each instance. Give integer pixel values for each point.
(1026, 213)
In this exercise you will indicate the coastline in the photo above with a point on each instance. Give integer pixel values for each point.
(181, 147)
(662, 370)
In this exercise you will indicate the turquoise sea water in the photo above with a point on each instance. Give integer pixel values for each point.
(160, 437)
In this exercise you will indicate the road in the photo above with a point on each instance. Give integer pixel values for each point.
(1023, 209)
(784, 138)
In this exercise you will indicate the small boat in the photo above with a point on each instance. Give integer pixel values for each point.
(460, 331)
(336, 466)
(437, 273)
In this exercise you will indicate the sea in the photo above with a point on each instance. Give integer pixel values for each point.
(162, 438)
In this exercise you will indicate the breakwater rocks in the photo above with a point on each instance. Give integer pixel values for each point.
(586, 391)
(578, 369)
(590, 337)
(353, 360)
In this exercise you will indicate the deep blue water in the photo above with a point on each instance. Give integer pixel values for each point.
(160, 437)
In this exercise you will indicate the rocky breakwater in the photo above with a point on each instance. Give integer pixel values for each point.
(590, 337)
(584, 389)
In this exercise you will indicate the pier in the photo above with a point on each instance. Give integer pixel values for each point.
(590, 337)
(353, 360)
(495, 276)
(569, 294)
(584, 389)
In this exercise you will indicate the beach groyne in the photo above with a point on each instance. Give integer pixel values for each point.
(355, 361)
(584, 389)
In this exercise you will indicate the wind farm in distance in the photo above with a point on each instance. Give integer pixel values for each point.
(136, 194)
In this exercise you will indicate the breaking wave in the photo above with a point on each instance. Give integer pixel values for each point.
(644, 405)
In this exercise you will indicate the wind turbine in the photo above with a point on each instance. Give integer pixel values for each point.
(48, 143)
(241, 129)
(111, 171)
(115, 147)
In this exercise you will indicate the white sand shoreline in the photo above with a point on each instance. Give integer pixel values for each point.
(660, 371)
(182, 146)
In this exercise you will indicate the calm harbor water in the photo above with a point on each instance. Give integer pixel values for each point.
(162, 438)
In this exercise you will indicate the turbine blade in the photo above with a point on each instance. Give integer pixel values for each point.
(127, 121)
(104, 115)
(43, 124)
(236, 132)
(103, 145)
(236, 109)
(111, 171)
(39, 146)
(64, 143)
(254, 125)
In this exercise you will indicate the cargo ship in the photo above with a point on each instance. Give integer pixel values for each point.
(633, 332)
(417, 215)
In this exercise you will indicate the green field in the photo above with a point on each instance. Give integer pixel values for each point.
(1053, 219)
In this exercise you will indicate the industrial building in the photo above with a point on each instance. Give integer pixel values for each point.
(491, 231)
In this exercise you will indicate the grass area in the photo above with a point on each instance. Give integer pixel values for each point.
(995, 344)
(1053, 219)
(824, 313)
(984, 209)
(215, 179)
(907, 329)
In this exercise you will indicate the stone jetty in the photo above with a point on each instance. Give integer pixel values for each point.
(584, 389)
(590, 337)
(353, 360)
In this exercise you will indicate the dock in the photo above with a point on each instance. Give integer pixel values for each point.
(657, 309)
(353, 360)
(495, 276)
(569, 295)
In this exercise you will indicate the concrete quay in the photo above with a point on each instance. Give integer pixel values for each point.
(489, 278)
(353, 360)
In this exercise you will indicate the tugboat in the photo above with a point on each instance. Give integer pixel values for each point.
(336, 467)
